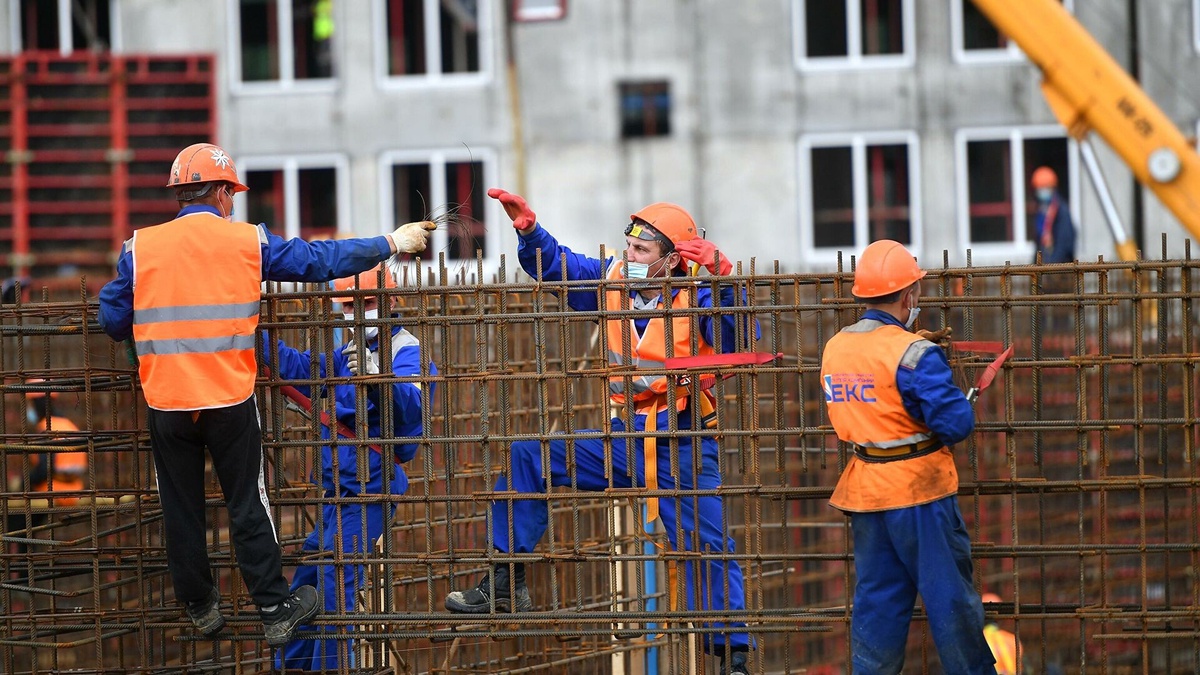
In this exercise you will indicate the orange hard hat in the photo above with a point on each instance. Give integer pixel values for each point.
(671, 220)
(367, 281)
(989, 597)
(204, 163)
(885, 267)
(1044, 177)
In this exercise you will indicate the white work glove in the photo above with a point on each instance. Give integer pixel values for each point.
(412, 237)
(351, 352)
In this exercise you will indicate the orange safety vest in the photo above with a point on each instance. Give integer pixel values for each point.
(69, 467)
(858, 375)
(1004, 648)
(651, 393)
(196, 288)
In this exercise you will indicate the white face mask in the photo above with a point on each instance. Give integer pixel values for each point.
(31, 415)
(369, 332)
(912, 317)
(1045, 194)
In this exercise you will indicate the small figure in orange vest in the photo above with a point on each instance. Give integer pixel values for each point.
(187, 292)
(891, 397)
(661, 241)
(1005, 646)
(1052, 224)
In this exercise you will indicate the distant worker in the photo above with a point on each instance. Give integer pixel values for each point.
(187, 291)
(660, 239)
(1005, 646)
(340, 475)
(1055, 232)
(890, 396)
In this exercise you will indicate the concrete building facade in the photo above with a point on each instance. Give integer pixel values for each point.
(793, 130)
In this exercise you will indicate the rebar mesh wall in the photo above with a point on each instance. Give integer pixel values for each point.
(1079, 486)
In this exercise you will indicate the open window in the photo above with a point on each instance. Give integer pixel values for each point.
(418, 185)
(423, 41)
(996, 205)
(856, 189)
(302, 196)
(63, 26)
(282, 44)
(539, 10)
(977, 40)
(842, 34)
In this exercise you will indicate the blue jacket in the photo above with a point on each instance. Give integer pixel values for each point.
(1063, 233)
(282, 260)
(929, 393)
(406, 411)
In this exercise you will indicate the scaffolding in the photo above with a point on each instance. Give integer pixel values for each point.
(1079, 486)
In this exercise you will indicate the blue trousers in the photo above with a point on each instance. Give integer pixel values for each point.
(322, 654)
(899, 553)
(698, 517)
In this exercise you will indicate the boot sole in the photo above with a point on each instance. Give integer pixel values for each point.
(304, 619)
(213, 630)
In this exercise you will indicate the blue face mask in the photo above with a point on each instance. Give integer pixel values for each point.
(637, 270)
(31, 415)
(1045, 194)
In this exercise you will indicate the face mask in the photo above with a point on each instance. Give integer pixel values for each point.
(31, 415)
(1045, 194)
(369, 332)
(912, 317)
(637, 270)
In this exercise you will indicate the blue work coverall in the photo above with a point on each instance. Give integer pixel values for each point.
(1062, 232)
(346, 520)
(703, 515)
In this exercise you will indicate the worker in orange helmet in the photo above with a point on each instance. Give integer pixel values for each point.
(187, 292)
(661, 240)
(357, 526)
(1005, 646)
(1055, 231)
(891, 397)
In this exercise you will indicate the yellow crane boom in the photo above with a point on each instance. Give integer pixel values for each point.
(1088, 91)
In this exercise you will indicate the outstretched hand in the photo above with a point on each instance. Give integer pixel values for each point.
(706, 254)
(523, 218)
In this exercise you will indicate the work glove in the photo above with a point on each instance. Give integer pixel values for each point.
(131, 353)
(412, 237)
(372, 362)
(704, 253)
(938, 337)
(523, 218)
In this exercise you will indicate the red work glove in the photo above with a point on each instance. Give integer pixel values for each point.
(523, 218)
(704, 252)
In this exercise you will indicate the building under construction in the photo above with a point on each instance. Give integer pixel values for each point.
(1079, 487)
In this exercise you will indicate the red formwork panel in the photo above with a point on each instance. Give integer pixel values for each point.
(87, 141)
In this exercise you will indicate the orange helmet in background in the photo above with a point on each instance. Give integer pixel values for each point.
(885, 267)
(1044, 177)
(671, 220)
(204, 163)
(367, 281)
(38, 395)
(989, 597)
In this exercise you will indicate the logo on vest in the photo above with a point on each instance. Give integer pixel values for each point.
(849, 387)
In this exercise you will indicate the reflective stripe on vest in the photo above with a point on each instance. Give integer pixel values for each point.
(196, 295)
(858, 376)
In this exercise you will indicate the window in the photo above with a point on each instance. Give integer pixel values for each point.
(996, 207)
(422, 185)
(832, 34)
(858, 189)
(306, 197)
(424, 40)
(64, 25)
(539, 10)
(976, 38)
(282, 43)
(645, 109)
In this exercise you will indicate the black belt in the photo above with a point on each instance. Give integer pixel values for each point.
(910, 451)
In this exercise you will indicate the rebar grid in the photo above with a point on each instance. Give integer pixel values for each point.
(1079, 486)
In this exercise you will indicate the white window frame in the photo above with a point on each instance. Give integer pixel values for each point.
(858, 143)
(1196, 25)
(523, 14)
(433, 51)
(287, 82)
(65, 38)
(290, 165)
(437, 160)
(855, 59)
(1012, 251)
(973, 57)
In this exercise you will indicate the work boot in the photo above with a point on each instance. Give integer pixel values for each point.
(299, 608)
(478, 600)
(206, 614)
(738, 663)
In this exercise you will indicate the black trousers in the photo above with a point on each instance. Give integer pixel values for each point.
(233, 437)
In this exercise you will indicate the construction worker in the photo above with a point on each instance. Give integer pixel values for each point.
(660, 240)
(891, 397)
(340, 477)
(1004, 645)
(187, 292)
(1055, 232)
